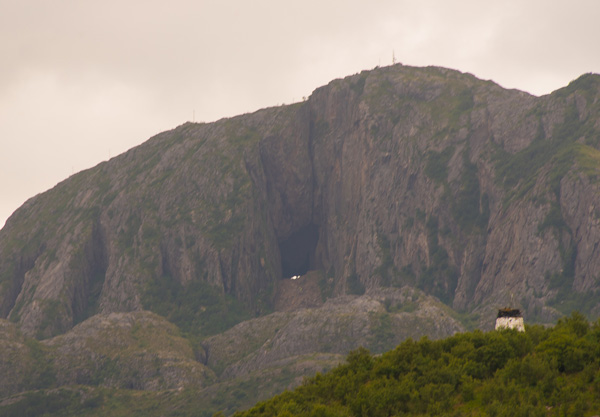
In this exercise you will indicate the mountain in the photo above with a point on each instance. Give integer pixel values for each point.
(418, 176)
(403, 201)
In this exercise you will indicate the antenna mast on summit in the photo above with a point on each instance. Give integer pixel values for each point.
(393, 57)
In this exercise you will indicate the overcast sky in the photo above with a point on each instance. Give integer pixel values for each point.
(82, 80)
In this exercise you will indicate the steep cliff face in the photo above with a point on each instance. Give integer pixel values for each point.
(398, 176)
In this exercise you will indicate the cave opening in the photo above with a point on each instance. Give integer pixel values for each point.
(298, 251)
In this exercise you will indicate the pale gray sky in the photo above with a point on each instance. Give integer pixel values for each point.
(83, 80)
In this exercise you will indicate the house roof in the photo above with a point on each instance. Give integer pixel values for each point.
(509, 312)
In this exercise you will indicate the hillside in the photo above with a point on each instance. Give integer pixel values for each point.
(404, 201)
(116, 357)
(542, 372)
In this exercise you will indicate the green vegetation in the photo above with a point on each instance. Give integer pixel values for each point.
(321, 128)
(226, 212)
(82, 401)
(97, 275)
(519, 172)
(407, 306)
(461, 103)
(387, 262)
(354, 285)
(568, 253)
(553, 220)
(440, 277)
(358, 86)
(456, 101)
(543, 372)
(390, 275)
(555, 157)
(567, 300)
(54, 311)
(469, 320)
(588, 159)
(128, 232)
(226, 218)
(42, 375)
(59, 403)
(198, 308)
(469, 208)
(587, 84)
(109, 402)
(383, 331)
(326, 284)
(436, 164)
(420, 215)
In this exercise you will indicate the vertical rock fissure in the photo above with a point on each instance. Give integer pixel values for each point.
(93, 266)
(25, 264)
(298, 251)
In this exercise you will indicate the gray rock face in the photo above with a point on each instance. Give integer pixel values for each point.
(378, 320)
(397, 176)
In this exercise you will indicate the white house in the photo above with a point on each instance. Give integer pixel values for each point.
(510, 318)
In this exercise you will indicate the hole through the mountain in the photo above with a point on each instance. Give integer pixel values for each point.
(298, 251)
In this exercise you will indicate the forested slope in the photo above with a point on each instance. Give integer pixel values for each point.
(542, 372)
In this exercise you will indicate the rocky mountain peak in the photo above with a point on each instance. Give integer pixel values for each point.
(398, 176)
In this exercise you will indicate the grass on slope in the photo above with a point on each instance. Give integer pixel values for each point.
(198, 309)
(518, 172)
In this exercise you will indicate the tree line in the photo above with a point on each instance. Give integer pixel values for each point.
(541, 372)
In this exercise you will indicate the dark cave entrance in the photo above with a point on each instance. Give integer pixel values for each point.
(298, 251)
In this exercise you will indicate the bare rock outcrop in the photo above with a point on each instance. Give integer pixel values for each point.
(378, 320)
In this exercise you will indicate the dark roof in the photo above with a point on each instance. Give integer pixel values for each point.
(509, 312)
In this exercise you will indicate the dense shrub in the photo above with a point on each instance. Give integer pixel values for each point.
(543, 372)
